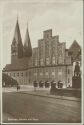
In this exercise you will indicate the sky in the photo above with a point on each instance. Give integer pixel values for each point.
(64, 17)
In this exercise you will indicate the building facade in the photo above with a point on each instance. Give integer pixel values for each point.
(50, 60)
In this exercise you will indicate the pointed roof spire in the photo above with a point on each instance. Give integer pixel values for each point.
(17, 34)
(27, 44)
(18, 39)
(17, 16)
(14, 41)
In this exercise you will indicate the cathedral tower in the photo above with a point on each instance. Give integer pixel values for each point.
(27, 45)
(17, 46)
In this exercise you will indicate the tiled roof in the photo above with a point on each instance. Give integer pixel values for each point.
(22, 64)
(13, 67)
(74, 46)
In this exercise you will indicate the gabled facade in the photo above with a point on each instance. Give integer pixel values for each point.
(75, 51)
(50, 60)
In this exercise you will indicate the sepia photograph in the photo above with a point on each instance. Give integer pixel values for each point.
(42, 52)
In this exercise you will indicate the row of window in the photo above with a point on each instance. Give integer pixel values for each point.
(52, 70)
(18, 74)
(60, 60)
(26, 74)
(53, 73)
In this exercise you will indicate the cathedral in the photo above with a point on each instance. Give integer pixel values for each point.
(50, 60)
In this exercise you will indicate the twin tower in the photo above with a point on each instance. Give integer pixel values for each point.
(18, 50)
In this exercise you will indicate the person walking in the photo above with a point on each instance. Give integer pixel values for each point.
(18, 87)
(35, 84)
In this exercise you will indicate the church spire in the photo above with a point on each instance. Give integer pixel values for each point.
(27, 45)
(18, 39)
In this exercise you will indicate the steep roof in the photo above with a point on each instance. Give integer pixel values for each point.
(14, 41)
(74, 45)
(13, 67)
(17, 34)
(21, 65)
(18, 39)
(27, 45)
(75, 51)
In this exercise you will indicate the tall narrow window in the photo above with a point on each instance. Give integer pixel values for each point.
(22, 74)
(14, 74)
(18, 74)
(68, 71)
(68, 80)
(26, 74)
(53, 60)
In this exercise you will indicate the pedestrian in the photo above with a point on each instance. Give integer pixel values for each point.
(18, 87)
(35, 84)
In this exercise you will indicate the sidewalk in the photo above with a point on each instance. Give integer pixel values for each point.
(47, 94)
(42, 92)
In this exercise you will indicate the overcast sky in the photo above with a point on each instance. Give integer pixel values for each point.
(64, 17)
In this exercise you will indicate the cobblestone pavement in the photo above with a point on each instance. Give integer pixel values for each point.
(19, 107)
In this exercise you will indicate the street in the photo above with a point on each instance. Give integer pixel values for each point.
(25, 108)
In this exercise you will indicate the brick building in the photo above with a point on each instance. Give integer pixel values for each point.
(50, 60)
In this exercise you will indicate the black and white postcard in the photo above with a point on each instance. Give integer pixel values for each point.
(41, 61)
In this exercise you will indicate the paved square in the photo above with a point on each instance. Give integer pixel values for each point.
(25, 108)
